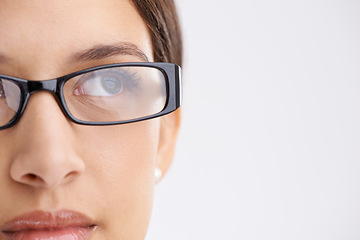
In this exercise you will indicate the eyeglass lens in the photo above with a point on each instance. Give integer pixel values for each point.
(116, 94)
(10, 97)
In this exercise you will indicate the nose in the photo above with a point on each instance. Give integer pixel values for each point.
(44, 154)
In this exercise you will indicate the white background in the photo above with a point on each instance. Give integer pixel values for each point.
(270, 142)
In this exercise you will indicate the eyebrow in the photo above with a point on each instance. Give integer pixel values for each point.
(104, 51)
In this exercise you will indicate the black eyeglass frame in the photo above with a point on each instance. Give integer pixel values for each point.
(171, 72)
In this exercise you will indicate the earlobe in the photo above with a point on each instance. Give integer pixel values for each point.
(170, 125)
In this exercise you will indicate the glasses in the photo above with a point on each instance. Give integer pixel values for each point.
(104, 95)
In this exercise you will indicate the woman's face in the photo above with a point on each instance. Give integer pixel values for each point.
(49, 166)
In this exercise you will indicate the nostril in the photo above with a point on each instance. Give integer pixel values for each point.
(70, 176)
(32, 178)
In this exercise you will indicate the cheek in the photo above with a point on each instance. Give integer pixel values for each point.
(120, 162)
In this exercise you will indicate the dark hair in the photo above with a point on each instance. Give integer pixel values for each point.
(163, 23)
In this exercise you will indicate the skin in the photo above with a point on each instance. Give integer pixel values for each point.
(49, 163)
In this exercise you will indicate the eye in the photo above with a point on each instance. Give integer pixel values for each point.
(111, 84)
(108, 82)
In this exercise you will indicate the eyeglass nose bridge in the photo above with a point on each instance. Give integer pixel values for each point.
(46, 85)
(51, 86)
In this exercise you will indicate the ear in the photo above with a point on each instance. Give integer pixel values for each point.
(170, 125)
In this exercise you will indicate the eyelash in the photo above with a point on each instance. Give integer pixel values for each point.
(134, 78)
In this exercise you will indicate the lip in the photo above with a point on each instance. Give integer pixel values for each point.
(64, 224)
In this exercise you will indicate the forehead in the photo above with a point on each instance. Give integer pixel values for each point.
(45, 32)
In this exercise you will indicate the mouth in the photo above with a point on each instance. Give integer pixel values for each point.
(40, 225)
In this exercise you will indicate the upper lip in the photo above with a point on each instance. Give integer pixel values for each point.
(41, 220)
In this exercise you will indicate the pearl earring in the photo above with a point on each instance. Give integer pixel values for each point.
(158, 175)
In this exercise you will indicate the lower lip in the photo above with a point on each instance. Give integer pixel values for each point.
(68, 233)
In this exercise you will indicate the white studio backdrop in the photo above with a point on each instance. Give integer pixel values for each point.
(270, 141)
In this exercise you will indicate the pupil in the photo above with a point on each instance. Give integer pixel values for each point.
(111, 85)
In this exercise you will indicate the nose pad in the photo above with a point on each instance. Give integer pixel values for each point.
(45, 154)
